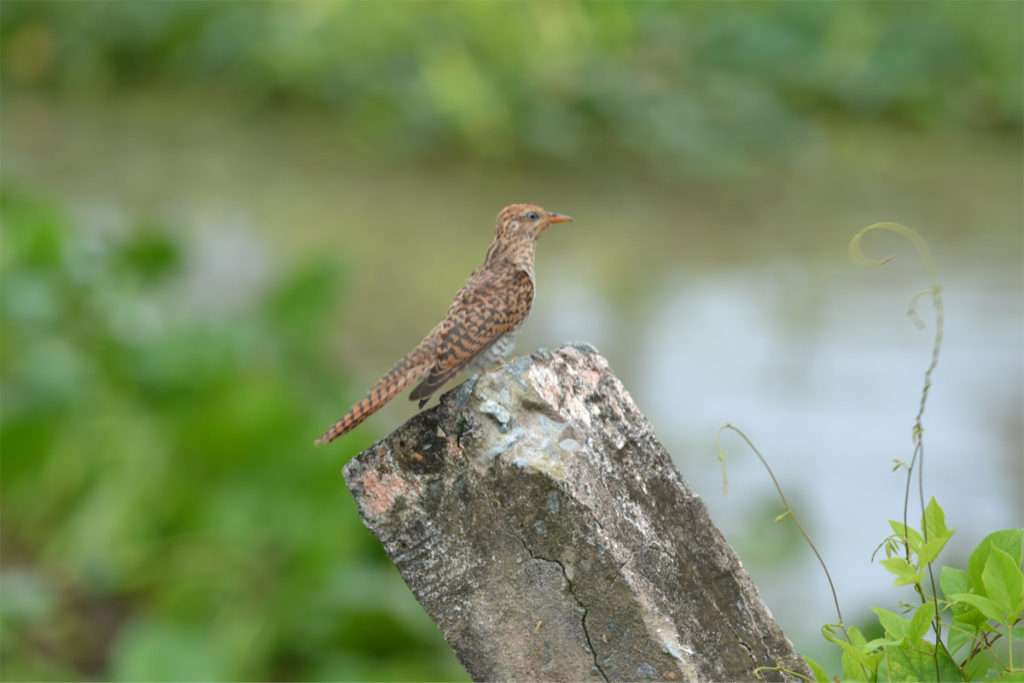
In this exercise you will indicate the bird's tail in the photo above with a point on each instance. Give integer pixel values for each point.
(417, 363)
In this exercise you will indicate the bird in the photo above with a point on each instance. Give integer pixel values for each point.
(481, 324)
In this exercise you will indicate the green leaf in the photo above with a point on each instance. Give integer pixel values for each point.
(894, 625)
(914, 539)
(981, 663)
(858, 665)
(1004, 583)
(930, 550)
(1017, 675)
(819, 673)
(933, 523)
(968, 616)
(904, 571)
(949, 668)
(1008, 540)
(953, 580)
(853, 670)
(906, 664)
(958, 637)
(856, 637)
(882, 643)
(921, 620)
(984, 605)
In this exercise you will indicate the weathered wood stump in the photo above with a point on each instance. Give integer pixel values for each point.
(545, 530)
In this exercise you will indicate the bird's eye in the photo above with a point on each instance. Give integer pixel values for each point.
(532, 216)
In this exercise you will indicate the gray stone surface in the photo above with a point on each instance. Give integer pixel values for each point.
(543, 527)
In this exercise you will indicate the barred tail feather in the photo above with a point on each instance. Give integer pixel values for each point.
(406, 371)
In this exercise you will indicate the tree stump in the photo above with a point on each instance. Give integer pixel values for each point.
(543, 527)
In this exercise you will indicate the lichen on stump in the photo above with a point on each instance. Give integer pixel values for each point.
(545, 530)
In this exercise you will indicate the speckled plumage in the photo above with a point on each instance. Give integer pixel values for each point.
(480, 326)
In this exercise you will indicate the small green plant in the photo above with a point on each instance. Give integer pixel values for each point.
(972, 629)
(977, 608)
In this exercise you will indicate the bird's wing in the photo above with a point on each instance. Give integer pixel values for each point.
(484, 310)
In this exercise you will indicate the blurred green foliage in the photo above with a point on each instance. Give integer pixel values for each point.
(161, 494)
(700, 87)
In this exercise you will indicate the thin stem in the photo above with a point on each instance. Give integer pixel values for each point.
(789, 511)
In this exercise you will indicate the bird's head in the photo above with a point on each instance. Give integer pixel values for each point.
(518, 221)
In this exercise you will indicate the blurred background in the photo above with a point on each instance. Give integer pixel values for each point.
(222, 222)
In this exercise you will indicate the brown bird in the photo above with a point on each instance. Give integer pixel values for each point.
(480, 326)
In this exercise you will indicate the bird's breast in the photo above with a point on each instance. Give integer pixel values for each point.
(497, 352)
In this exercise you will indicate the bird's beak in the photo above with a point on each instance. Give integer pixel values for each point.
(557, 218)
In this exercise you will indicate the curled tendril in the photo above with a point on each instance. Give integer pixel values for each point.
(857, 254)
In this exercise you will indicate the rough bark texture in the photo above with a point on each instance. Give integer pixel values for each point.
(544, 528)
